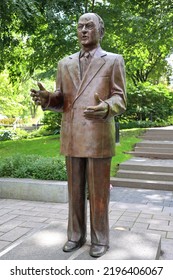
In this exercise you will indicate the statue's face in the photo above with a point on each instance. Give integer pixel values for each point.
(88, 31)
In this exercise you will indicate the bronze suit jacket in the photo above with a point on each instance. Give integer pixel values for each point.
(106, 76)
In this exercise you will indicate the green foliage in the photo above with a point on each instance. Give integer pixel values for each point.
(6, 135)
(33, 166)
(18, 134)
(45, 31)
(36, 34)
(142, 32)
(53, 121)
(148, 105)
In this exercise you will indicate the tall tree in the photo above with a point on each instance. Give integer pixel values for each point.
(142, 31)
(35, 34)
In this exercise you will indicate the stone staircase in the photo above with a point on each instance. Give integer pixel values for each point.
(152, 164)
(157, 143)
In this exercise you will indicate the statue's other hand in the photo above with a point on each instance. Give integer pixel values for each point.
(97, 112)
(41, 96)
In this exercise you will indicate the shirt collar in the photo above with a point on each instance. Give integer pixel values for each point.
(92, 52)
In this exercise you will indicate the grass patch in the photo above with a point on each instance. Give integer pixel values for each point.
(47, 146)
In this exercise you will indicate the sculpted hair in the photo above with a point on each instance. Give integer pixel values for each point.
(102, 26)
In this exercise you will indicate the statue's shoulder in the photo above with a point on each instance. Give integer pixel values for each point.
(69, 57)
(112, 58)
(112, 55)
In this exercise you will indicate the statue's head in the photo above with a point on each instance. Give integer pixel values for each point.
(90, 30)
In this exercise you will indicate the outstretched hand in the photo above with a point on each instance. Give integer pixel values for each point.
(40, 97)
(97, 112)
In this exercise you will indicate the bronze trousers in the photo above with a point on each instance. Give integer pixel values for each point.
(94, 173)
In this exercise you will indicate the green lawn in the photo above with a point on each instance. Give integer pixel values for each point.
(49, 146)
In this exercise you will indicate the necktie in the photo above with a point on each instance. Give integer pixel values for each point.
(84, 62)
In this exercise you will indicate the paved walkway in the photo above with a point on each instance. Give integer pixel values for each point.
(138, 210)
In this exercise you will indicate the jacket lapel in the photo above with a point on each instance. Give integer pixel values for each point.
(94, 67)
(74, 70)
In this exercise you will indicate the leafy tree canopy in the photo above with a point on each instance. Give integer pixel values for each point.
(35, 34)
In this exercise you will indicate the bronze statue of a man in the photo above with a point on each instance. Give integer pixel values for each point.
(90, 91)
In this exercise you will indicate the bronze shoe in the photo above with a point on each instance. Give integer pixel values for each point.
(71, 246)
(97, 251)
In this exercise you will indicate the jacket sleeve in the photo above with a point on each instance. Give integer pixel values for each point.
(55, 102)
(118, 100)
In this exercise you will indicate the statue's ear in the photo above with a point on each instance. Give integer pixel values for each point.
(102, 33)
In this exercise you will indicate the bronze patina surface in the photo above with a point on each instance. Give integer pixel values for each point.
(90, 91)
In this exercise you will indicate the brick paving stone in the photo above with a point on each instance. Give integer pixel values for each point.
(145, 215)
(140, 225)
(169, 234)
(153, 221)
(10, 225)
(14, 234)
(24, 208)
(127, 218)
(166, 249)
(32, 218)
(64, 211)
(114, 217)
(134, 213)
(25, 212)
(60, 206)
(116, 212)
(163, 216)
(123, 224)
(31, 224)
(48, 210)
(168, 209)
(58, 216)
(4, 244)
(54, 220)
(153, 209)
(6, 218)
(142, 230)
(111, 222)
(160, 227)
(4, 211)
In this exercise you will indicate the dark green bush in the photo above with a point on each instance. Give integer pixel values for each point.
(33, 166)
(6, 135)
(53, 121)
(152, 104)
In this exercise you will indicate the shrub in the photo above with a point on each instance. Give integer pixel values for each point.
(6, 135)
(149, 103)
(11, 134)
(53, 121)
(33, 166)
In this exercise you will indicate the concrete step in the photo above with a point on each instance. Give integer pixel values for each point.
(151, 155)
(145, 175)
(157, 137)
(157, 130)
(47, 244)
(156, 144)
(148, 164)
(144, 184)
(158, 150)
